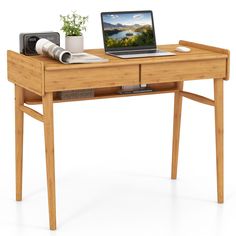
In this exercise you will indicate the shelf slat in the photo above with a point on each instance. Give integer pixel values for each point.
(55, 100)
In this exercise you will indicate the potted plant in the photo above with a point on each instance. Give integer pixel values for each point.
(73, 25)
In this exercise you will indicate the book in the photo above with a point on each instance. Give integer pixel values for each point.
(48, 48)
(85, 58)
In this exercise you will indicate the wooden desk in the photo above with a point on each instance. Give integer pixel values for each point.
(38, 79)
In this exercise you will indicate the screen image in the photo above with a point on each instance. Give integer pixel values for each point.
(123, 30)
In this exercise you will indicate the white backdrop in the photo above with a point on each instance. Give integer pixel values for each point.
(113, 157)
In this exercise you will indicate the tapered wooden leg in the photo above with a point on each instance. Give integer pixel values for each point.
(19, 126)
(49, 147)
(219, 132)
(176, 130)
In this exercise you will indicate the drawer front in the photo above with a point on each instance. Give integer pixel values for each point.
(179, 71)
(69, 79)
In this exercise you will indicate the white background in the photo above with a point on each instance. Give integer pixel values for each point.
(113, 157)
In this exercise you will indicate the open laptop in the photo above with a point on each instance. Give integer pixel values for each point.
(130, 34)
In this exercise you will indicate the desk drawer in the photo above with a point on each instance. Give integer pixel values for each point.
(179, 71)
(59, 80)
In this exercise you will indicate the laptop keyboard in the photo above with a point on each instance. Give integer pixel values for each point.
(136, 52)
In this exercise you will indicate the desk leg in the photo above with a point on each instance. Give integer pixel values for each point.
(176, 130)
(219, 132)
(49, 147)
(19, 127)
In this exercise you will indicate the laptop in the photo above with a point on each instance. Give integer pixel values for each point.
(130, 34)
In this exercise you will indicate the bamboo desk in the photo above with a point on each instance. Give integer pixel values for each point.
(38, 79)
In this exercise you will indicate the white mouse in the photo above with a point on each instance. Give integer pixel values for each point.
(182, 49)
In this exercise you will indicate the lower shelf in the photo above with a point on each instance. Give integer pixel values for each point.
(103, 93)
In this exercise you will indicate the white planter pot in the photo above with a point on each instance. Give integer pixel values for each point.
(74, 44)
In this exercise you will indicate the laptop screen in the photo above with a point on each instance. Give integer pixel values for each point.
(128, 30)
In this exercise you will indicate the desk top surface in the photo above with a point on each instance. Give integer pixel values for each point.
(198, 52)
(41, 74)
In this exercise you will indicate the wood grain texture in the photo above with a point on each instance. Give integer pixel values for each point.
(30, 96)
(212, 49)
(197, 53)
(197, 98)
(91, 78)
(49, 148)
(219, 132)
(25, 72)
(183, 71)
(19, 128)
(194, 55)
(29, 111)
(106, 95)
(176, 130)
(103, 93)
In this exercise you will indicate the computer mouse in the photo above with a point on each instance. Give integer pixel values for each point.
(182, 49)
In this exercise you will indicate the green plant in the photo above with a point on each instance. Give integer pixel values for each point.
(73, 24)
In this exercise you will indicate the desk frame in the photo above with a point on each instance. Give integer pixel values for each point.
(21, 99)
